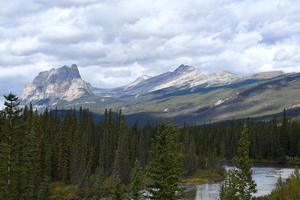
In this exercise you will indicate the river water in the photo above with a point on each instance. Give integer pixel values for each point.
(265, 178)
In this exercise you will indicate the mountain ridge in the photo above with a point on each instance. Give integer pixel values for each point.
(183, 75)
(185, 93)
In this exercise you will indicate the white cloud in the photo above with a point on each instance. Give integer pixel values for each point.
(115, 41)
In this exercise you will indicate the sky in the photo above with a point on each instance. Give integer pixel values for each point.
(114, 42)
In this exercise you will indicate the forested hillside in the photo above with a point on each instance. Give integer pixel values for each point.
(96, 159)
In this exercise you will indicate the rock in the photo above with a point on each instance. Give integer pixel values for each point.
(63, 83)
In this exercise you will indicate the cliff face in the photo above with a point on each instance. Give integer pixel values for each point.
(63, 83)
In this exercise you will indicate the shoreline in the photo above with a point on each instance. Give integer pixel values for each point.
(205, 176)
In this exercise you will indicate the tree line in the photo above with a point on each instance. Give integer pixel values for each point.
(111, 158)
(275, 139)
(101, 159)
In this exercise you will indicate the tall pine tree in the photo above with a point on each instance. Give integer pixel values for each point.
(11, 150)
(239, 184)
(136, 184)
(165, 166)
(122, 163)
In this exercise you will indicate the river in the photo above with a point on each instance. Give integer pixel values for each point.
(265, 178)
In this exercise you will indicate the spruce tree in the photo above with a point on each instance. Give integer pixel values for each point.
(190, 159)
(95, 187)
(165, 166)
(30, 167)
(10, 150)
(122, 163)
(239, 184)
(136, 184)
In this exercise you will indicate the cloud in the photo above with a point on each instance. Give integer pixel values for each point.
(116, 41)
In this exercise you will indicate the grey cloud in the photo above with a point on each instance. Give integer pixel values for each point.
(115, 41)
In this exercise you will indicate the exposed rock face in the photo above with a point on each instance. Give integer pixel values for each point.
(63, 83)
(66, 84)
(183, 76)
(136, 82)
(185, 94)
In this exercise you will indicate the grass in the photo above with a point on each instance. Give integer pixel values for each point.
(61, 191)
(203, 176)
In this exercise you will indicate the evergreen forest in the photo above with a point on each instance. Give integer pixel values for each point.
(54, 155)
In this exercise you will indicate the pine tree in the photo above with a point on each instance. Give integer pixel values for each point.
(31, 166)
(10, 150)
(190, 158)
(239, 184)
(165, 166)
(284, 134)
(136, 184)
(122, 162)
(95, 187)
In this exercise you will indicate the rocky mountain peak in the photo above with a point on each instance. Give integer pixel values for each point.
(137, 81)
(184, 68)
(57, 75)
(142, 78)
(62, 83)
(74, 66)
(66, 84)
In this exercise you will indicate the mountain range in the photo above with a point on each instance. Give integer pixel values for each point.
(185, 95)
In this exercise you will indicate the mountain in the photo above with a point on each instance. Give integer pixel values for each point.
(137, 82)
(264, 75)
(183, 95)
(48, 87)
(182, 77)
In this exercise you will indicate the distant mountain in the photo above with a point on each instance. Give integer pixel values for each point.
(183, 95)
(48, 87)
(264, 75)
(183, 77)
(138, 81)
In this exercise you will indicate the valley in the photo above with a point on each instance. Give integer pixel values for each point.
(182, 96)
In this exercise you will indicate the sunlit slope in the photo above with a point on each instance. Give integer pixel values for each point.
(247, 98)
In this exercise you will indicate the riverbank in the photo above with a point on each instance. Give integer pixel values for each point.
(212, 175)
(204, 184)
(285, 190)
(59, 190)
(265, 177)
(203, 176)
(287, 162)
